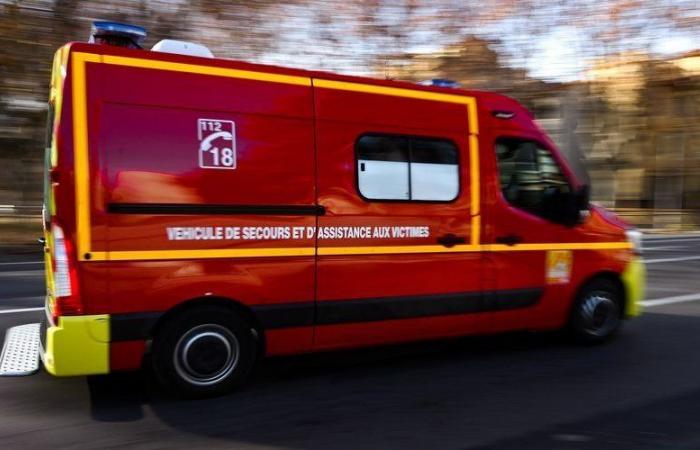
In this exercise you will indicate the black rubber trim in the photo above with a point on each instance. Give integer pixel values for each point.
(193, 209)
(392, 308)
(132, 326)
(513, 299)
(409, 307)
(287, 315)
(389, 308)
(139, 326)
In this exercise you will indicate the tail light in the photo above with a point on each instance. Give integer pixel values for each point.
(67, 298)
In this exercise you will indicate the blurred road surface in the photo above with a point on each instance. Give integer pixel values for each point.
(520, 391)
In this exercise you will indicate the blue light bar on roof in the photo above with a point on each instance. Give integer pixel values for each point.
(441, 82)
(119, 34)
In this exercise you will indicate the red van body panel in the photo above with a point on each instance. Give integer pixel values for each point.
(295, 135)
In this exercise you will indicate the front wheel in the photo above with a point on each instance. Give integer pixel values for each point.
(597, 312)
(203, 352)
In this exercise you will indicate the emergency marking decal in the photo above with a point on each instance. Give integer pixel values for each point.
(217, 143)
(267, 233)
(559, 263)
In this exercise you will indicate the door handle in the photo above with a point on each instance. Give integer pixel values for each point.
(450, 240)
(509, 239)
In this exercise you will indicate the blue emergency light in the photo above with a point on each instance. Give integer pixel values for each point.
(441, 82)
(119, 34)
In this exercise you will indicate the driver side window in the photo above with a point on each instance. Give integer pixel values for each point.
(529, 175)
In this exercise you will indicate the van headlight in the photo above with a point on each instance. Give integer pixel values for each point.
(634, 237)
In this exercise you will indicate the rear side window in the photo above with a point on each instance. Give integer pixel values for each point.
(391, 167)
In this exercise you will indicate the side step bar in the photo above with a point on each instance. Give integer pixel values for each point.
(20, 354)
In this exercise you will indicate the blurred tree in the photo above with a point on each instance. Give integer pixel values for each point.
(31, 31)
(593, 92)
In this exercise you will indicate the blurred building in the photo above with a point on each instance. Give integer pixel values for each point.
(646, 150)
(633, 122)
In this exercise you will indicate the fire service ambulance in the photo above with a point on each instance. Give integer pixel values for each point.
(202, 213)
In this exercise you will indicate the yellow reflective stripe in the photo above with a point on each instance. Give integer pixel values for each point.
(80, 132)
(48, 265)
(475, 187)
(58, 74)
(206, 70)
(564, 246)
(472, 119)
(153, 255)
(471, 248)
(150, 255)
(80, 126)
(407, 93)
(80, 154)
(393, 249)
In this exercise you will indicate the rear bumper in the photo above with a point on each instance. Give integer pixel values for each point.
(634, 280)
(77, 345)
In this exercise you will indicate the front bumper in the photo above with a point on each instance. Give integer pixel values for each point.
(634, 281)
(77, 345)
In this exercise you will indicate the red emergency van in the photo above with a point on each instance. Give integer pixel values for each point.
(202, 213)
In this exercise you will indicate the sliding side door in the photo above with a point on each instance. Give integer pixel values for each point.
(395, 254)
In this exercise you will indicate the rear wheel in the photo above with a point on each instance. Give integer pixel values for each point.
(597, 312)
(203, 352)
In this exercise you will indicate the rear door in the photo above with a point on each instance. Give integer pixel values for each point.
(206, 191)
(395, 260)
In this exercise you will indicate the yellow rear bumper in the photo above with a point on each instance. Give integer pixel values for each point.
(634, 280)
(77, 345)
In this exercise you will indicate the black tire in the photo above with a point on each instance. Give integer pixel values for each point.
(203, 352)
(596, 315)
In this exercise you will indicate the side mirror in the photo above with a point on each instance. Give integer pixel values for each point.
(583, 198)
(565, 207)
(578, 206)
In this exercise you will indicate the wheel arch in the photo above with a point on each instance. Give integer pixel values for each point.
(602, 275)
(243, 311)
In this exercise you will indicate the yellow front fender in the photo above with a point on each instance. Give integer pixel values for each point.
(634, 280)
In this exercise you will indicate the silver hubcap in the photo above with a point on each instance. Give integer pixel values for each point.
(206, 354)
(600, 314)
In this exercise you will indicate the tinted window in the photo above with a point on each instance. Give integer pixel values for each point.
(433, 151)
(528, 172)
(407, 168)
(383, 148)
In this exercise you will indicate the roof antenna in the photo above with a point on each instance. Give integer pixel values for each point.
(386, 67)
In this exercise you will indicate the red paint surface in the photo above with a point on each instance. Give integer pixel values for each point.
(126, 355)
(295, 146)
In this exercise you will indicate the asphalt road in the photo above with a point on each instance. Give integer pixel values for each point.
(519, 391)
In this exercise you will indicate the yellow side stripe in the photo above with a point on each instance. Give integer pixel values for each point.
(408, 93)
(469, 102)
(80, 142)
(563, 246)
(153, 255)
(80, 135)
(475, 188)
(80, 132)
(394, 249)
(147, 255)
(206, 70)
